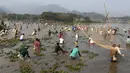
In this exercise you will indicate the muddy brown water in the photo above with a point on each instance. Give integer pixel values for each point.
(99, 64)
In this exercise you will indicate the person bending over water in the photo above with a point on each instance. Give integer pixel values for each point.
(23, 52)
(74, 53)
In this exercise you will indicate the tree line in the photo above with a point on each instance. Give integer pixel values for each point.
(63, 17)
(50, 16)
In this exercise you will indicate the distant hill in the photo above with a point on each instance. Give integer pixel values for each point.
(4, 10)
(93, 16)
(39, 9)
(50, 8)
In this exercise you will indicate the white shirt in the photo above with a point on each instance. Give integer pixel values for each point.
(46, 23)
(65, 28)
(91, 29)
(76, 37)
(61, 40)
(21, 37)
(109, 32)
(33, 33)
(91, 41)
(14, 30)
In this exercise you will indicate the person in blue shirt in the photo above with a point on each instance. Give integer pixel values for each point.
(73, 28)
(75, 53)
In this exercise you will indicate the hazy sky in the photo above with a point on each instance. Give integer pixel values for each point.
(115, 7)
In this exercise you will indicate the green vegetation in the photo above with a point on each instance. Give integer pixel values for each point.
(76, 67)
(62, 17)
(10, 42)
(59, 71)
(48, 16)
(25, 68)
(40, 54)
(43, 49)
(12, 56)
(53, 69)
(90, 54)
(85, 51)
(23, 17)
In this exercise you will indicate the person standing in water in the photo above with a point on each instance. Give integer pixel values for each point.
(49, 33)
(76, 38)
(91, 42)
(114, 51)
(58, 48)
(15, 32)
(75, 53)
(60, 35)
(37, 45)
(128, 41)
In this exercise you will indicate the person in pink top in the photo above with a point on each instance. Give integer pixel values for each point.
(60, 35)
(37, 46)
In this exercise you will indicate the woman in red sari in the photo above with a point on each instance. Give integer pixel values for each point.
(37, 46)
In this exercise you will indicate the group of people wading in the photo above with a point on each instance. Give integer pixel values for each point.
(75, 52)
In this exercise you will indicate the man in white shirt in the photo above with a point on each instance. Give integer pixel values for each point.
(76, 37)
(22, 37)
(61, 41)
